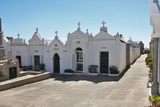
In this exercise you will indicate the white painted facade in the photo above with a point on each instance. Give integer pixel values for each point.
(155, 23)
(89, 49)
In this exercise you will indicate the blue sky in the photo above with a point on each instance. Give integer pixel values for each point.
(129, 17)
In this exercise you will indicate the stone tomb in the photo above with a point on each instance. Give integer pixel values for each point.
(9, 68)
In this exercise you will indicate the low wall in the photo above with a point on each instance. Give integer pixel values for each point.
(122, 57)
(23, 80)
(134, 54)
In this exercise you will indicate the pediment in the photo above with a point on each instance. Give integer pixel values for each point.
(104, 35)
(36, 39)
(56, 43)
(78, 35)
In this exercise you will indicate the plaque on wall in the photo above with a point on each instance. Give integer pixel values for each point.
(103, 47)
(78, 42)
(18, 51)
(55, 49)
(36, 51)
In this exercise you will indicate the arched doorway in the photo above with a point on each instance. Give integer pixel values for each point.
(79, 59)
(56, 63)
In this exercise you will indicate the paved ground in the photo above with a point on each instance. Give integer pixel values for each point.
(83, 91)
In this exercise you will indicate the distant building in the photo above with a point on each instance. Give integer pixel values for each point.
(141, 44)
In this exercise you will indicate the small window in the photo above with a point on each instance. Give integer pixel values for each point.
(55, 45)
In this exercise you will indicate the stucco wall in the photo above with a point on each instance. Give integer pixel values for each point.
(35, 50)
(122, 56)
(21, 51)
(103, 46)
(134, 54)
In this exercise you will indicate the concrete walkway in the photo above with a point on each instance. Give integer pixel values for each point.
(129, 91)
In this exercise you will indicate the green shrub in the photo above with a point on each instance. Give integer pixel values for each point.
(24, 68)
(69, 71)
(155, 100)
(149, 61)
(93, 68)
(42, 66)
(114, 69)
(29, 67)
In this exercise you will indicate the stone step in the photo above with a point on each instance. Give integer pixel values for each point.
(23, 80)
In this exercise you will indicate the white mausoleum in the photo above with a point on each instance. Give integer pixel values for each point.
(80, 51)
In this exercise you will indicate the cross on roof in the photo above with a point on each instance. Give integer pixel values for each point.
(56, 32)
(36, 29)
(87, 30)
(103, 23)
(79, 24)
(18, 35)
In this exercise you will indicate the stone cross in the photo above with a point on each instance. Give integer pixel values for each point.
(79, 25)
(36, 29)
(86, 30)
(18, 35)
(56, 32)
(103, 23)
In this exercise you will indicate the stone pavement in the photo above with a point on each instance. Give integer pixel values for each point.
(87, 91)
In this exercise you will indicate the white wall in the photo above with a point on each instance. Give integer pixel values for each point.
(134, 54)
(21, 51)
(122, 56)
(35, 50)
(103, 46)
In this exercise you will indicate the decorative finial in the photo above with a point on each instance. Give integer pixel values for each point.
(91, 34)
(79, 25)
(36, 30)
(18, 35)
(103, 23)
(56, 32)
(117, 34)
(86, 30)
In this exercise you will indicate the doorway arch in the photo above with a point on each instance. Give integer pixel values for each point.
(56, 63)
(79, 59)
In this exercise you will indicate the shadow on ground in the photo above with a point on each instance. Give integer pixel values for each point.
(91, 78)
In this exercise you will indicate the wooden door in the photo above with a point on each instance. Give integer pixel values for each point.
(104, 58)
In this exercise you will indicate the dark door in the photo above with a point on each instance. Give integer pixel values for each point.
(37, 62)
(56, 62)
(12, 72)
(104, 62)
(19, 60)
(127, 55)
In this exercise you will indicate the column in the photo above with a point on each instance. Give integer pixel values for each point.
(155, 84)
